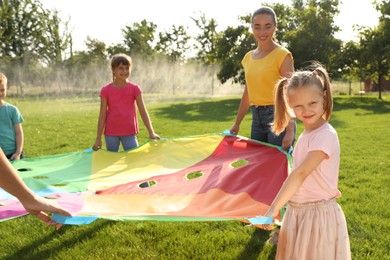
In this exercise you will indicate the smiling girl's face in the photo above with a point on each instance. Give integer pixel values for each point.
(307, 102)
(121, 72)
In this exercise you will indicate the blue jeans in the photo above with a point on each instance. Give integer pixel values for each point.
(262, 117)
(128, 142)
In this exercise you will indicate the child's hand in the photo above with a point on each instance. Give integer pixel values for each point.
(97, 145)
(270, 213)
(15, 156)
(154, 136)
(267, 226)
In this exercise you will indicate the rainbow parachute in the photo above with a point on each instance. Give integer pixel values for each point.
(195, 178)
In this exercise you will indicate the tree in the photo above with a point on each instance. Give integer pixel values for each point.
(29, 36)
(174, 43)
(206, 40)
(21, 27)
(348, 61)
(53, 41)
(139, 38)
(375, 45)
(233, 44)
(85, 69)
(95, 53)
(311, 37)
(26, 28)
(286, 20)
(207, 44)
(116, 48)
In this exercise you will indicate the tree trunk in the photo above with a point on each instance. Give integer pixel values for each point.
(380, 86)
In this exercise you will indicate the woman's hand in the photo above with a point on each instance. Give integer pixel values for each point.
(38, 206)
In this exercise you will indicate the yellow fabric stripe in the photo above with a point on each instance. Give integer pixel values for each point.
(153, 158)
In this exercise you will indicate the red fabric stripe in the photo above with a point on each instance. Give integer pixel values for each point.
(261, 178)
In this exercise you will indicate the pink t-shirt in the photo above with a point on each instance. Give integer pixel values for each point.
(322, 183)
(121, 117)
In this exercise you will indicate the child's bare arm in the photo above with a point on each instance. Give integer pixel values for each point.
(19, 141)
(101, 124)
(295, 180)
(145, 117)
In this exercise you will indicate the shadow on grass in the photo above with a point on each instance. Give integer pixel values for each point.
(337, 123)
(31, 252)
(258, 242)
(372, 105)
(226, 109)
(208, 111)
(369, 105)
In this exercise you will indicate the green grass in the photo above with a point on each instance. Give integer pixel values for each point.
(68, 125)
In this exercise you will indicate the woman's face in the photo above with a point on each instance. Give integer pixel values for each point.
(263, 28)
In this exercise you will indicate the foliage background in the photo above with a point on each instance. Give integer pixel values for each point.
(36, 49)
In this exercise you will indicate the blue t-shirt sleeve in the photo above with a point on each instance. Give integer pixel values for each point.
(16, 116)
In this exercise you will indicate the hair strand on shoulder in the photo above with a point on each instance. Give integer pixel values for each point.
(281, 115)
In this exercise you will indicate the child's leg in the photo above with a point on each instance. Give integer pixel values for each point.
(129, 142)
(112, 143)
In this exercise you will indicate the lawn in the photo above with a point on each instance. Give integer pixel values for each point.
(54, 126)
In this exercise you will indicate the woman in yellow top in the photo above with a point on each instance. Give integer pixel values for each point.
(264, 67)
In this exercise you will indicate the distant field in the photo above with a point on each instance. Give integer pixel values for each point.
(157, 94)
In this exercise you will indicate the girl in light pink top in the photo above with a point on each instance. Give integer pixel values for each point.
(314, 225)
(118, 111)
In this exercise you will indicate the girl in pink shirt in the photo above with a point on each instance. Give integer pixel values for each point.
(314, 225)
(118, 112)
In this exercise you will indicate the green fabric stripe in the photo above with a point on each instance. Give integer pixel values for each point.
(69, 171)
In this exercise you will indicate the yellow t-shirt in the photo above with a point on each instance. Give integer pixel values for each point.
(262, 75)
